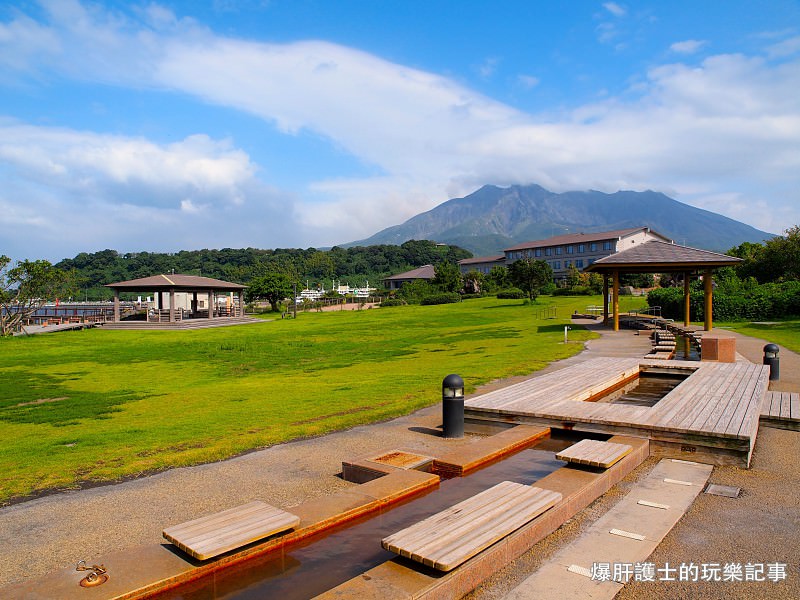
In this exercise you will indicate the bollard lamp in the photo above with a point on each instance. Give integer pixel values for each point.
(453, 387)
(453, 406)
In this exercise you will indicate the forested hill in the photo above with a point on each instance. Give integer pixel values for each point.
(352, 266)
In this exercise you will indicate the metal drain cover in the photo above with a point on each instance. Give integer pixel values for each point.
(728, 491)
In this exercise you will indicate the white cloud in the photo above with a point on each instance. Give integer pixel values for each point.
(724, 127)
(688, 46)
(528, 81)
(488, 67)
(615, 9)
(788, 47)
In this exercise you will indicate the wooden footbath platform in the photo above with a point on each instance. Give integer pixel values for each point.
(713, 413)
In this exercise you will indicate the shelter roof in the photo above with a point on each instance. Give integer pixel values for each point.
(581, 238)
(482, 259)
(655, 256)
(423, 272)
(177, 282)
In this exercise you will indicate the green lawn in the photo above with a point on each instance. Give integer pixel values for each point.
(785, 332)
(101, 405)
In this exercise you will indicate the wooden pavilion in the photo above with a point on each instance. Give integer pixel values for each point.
(662, 257)
(203, 292)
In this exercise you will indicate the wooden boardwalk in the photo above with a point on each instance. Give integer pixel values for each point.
(781, 410)
(448, 538)
(221, 532)
(713, 413)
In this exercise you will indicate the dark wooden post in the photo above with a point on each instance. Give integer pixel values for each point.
(605, 299)
(615, 291)
(709, 289)
(686, 299)
(172, 305)
(210, 304)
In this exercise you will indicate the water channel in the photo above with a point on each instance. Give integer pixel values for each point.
(322, 562)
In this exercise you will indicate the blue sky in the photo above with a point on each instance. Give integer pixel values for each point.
(163, 126)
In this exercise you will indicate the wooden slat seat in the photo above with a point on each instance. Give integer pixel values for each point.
(447, 539)
(221, 532)
(594, 453)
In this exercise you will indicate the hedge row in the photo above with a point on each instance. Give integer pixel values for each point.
(756, 303)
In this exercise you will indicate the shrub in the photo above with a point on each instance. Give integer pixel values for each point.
(393, 302)
(443, 298)
(578, 290)
(511, 294)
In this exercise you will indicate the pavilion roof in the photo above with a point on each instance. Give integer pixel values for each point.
(177, 282)
(655, 256)
(423, 272)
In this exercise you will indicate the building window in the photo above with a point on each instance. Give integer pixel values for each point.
(581, 248)
(593, 246)
(591, 261)
(579, 263)
(548, 251)
(538, 252)
(558, 264)
(570, 249)
(558, 250)
(606, 245)
(567, 263)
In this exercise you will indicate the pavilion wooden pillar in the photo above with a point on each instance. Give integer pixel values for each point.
(210, 304)
(709, 293)
(116, 306)
(615, 291)
(172, 305)
(686, 300)
(605, 299)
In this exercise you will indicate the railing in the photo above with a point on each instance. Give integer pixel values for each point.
(546, 312)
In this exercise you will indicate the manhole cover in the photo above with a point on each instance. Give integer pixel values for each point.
(728, 491)
(401, 460)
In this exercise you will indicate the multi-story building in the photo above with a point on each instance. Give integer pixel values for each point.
(580, 249)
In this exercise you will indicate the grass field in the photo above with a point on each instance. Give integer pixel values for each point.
(785, 332)
(98, 405)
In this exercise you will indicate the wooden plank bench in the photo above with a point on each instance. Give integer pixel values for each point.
(221, 532)
(594, 453)
(447, 539)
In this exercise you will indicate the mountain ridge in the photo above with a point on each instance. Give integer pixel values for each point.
(493, 218)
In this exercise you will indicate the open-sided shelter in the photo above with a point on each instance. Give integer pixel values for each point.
(662, 257)
(203, 292)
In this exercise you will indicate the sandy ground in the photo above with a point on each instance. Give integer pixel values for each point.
(761, 526)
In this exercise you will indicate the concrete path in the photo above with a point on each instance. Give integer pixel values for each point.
(594, 566)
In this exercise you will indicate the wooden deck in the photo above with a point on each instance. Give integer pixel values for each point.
(448, 538)
(781, 410)
(221, 532)
(713, 413)
(594, 453)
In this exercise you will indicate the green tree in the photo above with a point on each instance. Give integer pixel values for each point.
(414, 291)
(447, 277)
(26, 287)
(473, 282)
(498, 277)
(272, 287)
(530, 275)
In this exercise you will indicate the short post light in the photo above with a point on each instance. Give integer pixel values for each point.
(773, 361)
(453, 406)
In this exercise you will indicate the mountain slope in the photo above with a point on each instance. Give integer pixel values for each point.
(492, 218)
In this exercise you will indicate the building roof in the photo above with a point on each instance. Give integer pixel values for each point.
(423, 272)
(581, 238)
(176, 282)
(482, 259)
(656, 256)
